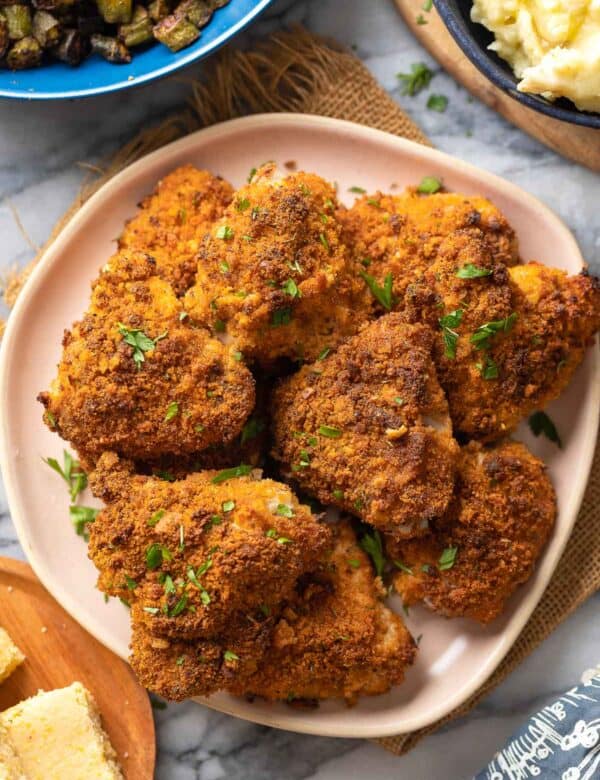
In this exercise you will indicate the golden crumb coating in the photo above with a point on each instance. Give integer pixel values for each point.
(137, 379)
(335, 638)
(367, 428)
(173, 221)
(518, 340)
(274, 274)
(401, 234)
(193, 554)
(488, 542)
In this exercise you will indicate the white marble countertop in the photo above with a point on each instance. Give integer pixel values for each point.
(41, 146)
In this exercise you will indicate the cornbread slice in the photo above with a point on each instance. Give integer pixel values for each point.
(10, 655)
(58, 736)
(10, 765)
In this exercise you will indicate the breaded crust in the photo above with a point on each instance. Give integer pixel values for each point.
(504, 512)
(274, 275)
(181, 392)
(367, 428)
(173, 221)
(196, 554)
(335, 638)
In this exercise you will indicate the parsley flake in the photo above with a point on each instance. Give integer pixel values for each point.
(228, 506)
(447, 323)
(140, 342)
(382, 294)
(329, 431)
(71, 472)
(373, 546)
(472, 271)
(224, 232)
(357, 190)
(172, 411)
(292, 289)
(281, 317)
(539, 422)
(285, 510)
(237, 471)
(489, 369)
(82, 517)
(483, 334)
(242, 204)
(156, 517)
(402, 566)
(156, 554)
(437, 103)
(415, 81)
(447, 558)
(429, 185)
(229, 655)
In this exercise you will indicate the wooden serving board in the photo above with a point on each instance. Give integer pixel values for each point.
(581, 144)
(59, 652)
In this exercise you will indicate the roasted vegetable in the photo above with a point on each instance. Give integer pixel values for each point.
(198, 12)
(115, 11)
(176, 32)
(72, 49)
(139, 30)
(4, 39)
(111, 49)
(26, 53)
(46, 29)
(159, 9)
(19, 21)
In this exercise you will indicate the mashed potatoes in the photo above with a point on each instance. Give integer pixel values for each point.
(553, 46)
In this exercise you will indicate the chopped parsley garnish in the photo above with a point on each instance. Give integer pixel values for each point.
(447, 323)
(285, 510)
(169, 585)
(182, 216)
(291, 289)
(323, 353)
(415, 81)
(224, 232)
(421, 19)
(193, 578)
(294, 265)
(447, 558)
(264, 609)
(251, 430)
(228, 506)
(82, 516)
(437, 103)
(338, 495)
(382, 294)
(156, 554)
(489, 369)
(237, 471)
(199, 428)
(71, 472)
(483, 334)
(166, 475)
(373, 546)
(357, 190)
(354, 563)
(224, 268)
(251, 175)
(219, 326)
(183, 315)
(181, 538)
(140, 342)
(427, 5)
(329, 431)
(229, 655)
(366, 261)
(375, 203)
(237, 355)
(172, 411)
(180, 606)
(324, 241)
(399, 401)
(472, 271)
(156, 517)
(180, 660)
(242, 204)
(281, 317)
(273, 534)
(151, 611)
(539, 422)
(402, 566)
(131, 583)
(429, 185)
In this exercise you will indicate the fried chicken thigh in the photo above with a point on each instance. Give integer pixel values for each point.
(274, 276)
(489, 540)
(335, 638)
(137, 379)
(173, 221)
(367, 428)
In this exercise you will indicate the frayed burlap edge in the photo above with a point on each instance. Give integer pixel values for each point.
(299, 72)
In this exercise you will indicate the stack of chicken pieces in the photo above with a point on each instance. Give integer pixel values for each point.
(372, 359)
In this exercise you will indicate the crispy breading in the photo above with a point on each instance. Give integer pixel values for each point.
(274, 275)
(503, 515)
(367, 428)
(335, 638)
(178, 393)
(195, 554)
(543, 322)
(173, 221)
(401, 234)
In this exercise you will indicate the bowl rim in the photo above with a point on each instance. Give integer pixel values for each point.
(458, 28)
(51, 257)
(193, 55)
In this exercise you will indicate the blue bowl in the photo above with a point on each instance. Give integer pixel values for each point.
(474, 39)
(96, 76)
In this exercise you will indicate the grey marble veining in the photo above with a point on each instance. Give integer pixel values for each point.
(41, 147)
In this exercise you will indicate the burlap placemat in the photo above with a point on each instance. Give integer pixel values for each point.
(297, 71)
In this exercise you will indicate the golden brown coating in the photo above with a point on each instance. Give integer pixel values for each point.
(273, 274)
(519, 340)
(367, 428)
(136, 379)
(401, 234)
(174, 219)
(488, 542)
(195, 554)
(335, 638)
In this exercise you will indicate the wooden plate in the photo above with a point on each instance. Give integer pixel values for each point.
(581, 144)
(59, 652)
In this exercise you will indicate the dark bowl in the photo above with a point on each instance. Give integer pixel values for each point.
(474, 39)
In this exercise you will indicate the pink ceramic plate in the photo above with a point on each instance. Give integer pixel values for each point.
(455, 656)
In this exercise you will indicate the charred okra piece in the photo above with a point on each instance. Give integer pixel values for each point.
(25, 53)
(139, 30)
(46, 29)
(198, 12)
(176, 32)
(19, 21)
(54, 6)
(72, 49)
(115, 11)
(217, 3)
(159, 9)
(111, 49)
(4, 39)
